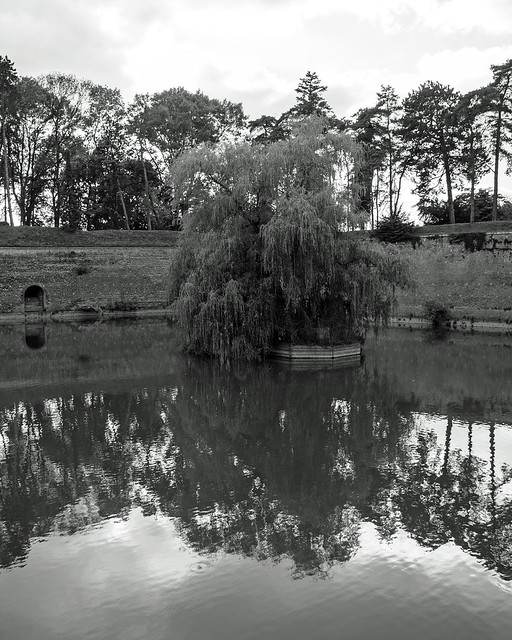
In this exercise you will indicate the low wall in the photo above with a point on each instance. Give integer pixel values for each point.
(110, 271)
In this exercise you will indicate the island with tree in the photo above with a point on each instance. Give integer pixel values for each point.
(263, 206)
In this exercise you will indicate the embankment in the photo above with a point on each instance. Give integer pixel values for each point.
(60, 275)
(466, 269)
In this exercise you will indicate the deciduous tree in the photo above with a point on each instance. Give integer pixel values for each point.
(261, 257)
(168, 123)
(30, 149)
(66, 103)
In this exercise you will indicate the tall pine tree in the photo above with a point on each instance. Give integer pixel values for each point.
(309, 99)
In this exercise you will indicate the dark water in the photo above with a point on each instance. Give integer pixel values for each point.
(146, 494)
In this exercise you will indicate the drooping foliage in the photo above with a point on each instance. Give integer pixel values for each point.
(262, 256)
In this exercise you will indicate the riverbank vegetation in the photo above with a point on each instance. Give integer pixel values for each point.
(74, 154)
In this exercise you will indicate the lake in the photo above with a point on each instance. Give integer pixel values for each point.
(150, 494)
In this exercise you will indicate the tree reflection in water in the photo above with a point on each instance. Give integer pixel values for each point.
(265, 462)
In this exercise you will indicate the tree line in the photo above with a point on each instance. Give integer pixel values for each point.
(75, 155)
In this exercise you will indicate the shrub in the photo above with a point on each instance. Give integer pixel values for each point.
(438, 314)
(81, 271)
(395, 228)
(472, 241)
(122, 305)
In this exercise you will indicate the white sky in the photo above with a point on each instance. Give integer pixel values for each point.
(255, 51)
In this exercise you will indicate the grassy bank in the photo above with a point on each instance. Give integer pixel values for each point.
(48, 237)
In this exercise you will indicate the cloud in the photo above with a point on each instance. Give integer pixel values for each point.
(228, 53)
(64, 37)
(466, 69)
(255, 51)
(450, 16)
(494, 16)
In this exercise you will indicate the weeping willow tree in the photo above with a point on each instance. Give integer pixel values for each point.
(262, 256)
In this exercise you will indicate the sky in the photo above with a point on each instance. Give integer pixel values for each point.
(256, 51)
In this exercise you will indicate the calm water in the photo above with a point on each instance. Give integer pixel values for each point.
(147, 494)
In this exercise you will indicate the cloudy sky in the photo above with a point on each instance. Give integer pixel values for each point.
(255, 51)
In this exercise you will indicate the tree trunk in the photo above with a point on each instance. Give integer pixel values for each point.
(146, 183)
(396, 208)
(447, 442)
(56, 178)
(392, 211)
(366, 201)
(90, 193)
(472, 191)
(497, 161)
(449, 194)
(6, 167)
(375, 201)
(126, 220)
(472, 202)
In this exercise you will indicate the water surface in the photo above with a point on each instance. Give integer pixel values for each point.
(147, 494)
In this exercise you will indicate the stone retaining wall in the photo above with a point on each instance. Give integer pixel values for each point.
(106, 276)
(469, 272)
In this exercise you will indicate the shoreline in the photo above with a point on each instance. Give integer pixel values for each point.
(79, 316)
(412, 322)
(464, 325)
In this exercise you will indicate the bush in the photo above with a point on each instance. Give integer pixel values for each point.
(81, 271)
(395, 228)
(436, 211)
(438, 314)
(122, 305)
(472, 241)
